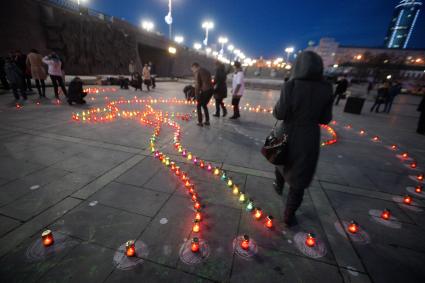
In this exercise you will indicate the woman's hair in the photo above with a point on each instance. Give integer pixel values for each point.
(34, 50)
(308, 66)
(237, 64)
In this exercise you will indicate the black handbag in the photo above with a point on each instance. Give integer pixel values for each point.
(275, 147)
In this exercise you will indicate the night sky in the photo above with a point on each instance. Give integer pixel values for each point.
(266, 27)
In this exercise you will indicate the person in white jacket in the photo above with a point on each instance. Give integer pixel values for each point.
(55, 71)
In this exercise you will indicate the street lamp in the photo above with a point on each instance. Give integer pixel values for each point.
(197, 45)
(148, 25)
(169, 19)
(222, 40)
(207, 25)
(179, 39)
(172, 50)
(208, 50)
(288, 51)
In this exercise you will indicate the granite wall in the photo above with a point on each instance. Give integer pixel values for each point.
(89, 44)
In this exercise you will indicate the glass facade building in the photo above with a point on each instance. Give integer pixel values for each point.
(402, 24)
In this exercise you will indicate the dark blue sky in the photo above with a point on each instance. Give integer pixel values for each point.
(266, 27)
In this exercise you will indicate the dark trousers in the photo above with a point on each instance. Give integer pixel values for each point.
(28, 85)
(377, 105)
(337, 97)
(41, 87)
(202, 103)
(294, 198)
(388, 105)
(421, 124)
(153, 82)
(21, 87)
(4, 82)
(235, 103)
(58, 81)
(220, 104)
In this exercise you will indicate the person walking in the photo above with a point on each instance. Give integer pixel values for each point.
(55, 71)
(238, 89)
(305, 102)
(152, 69)
(15, 77)
(381, 96)
(35, 65)
(203, 92)
(421, 122)
(394, 90)
(220, 88)
(21, 62)
(147, 79)
(341, 88)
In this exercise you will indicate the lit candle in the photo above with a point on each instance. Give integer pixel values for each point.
(310, 240)
(405, 155)
(47, 238)
(197, 205)
(235, 190)
(413, 165)
(353, 227)
(375, 138)
(269, 221)
(418, 189)
(250, 205)
(420, 177)
(394, 147)
(407, 199)
(195, 245)
(362, 132)
(229, 183)
(223, 176)
(386, 214)
(196, 227)
(189, 156)
(258, 213)
(198, 215)
(202, 164)
(242, 198)
(130, 249)
(216, 171)
(245, 242)
(209, 167)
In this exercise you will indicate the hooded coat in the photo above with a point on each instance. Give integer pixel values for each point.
(220, 85)
(309, 104)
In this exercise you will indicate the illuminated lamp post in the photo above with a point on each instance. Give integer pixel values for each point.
(222, 40)
(207, 25)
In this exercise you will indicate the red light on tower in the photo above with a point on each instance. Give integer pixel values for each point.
(418, 189)
(245, 242)
(196, 227)
(310, 240)
(194, 247)
(386, 214)
(258, 213)
(269, 221)
(413, 165)
(47, 238)
(353, 227)
(130, 249)
(407, 200)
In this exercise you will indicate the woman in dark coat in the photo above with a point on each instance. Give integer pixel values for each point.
(421, 123)
(220, 89)
(309, 104)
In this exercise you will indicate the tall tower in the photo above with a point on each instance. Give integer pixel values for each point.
(402, 24)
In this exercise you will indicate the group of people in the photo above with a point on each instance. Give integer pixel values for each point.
(206, 88)
(19, 69)
(386, 93)
(147, 76)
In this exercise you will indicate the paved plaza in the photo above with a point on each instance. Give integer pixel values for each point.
(96, 185)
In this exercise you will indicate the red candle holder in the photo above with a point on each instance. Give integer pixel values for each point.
(177, 172)
(47, 238)
(375, 138)
(245, 242)
(198, 215)
(194, 197)
(418, 189)
(413, 165)
(197, 205)
(202, 164)
(353, 227)
(269, 222)
(394, 147)
(258, 213)
(405, 155)
(130, 248)
(196, 227)
(194, 246)
(407, 200)
(386, 214)
(420, 177)
(310, 240)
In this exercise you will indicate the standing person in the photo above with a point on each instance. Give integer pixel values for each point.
(3, 79)
(147, 76)
(238, 89)
(220, 88)
(341, 88)
(15, 77)
(131, 67)
(21, 62)
(381, 96)
(136, 81)
(152, 69)
(305, 102)
(394, 90)
(35, 64)
(421, 123)
(55, 71)
(203, 92)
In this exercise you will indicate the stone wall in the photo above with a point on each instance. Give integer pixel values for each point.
(89, 45)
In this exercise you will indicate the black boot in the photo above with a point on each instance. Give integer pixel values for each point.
(224, 112)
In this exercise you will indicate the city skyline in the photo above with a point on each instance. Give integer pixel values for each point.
(363, 23)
